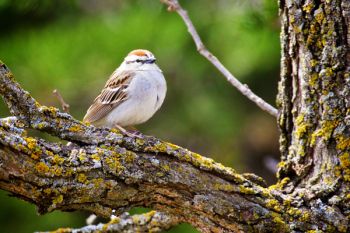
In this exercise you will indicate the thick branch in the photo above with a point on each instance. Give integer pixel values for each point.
(149, 222)
(102, 170)
(106, 177)
(174, 5)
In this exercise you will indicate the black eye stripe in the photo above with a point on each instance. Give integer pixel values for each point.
(146, 61)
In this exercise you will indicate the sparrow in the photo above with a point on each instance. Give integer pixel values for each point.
(131, 95)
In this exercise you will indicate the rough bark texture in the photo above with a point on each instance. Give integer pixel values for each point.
(101, 169)
(149, 222)
(314, 102)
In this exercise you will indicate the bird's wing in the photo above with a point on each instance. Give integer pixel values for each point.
(113, 94)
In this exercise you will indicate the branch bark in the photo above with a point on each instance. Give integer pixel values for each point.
(314, 98)
(149, 222)
(103, 170)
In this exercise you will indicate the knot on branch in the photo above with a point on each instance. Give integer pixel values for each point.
(173, 5)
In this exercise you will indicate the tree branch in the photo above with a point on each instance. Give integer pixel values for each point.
(149, 222)
(102, 170)
(64, 105)
(174, 5)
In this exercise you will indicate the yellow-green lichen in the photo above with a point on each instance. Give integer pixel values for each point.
(274, 204)
(308, 7)
(160, 174)
(114, 130)
(294, 211)
(246, 190)
(325, 132)
(51, 110)
(224, 187)
(56, 170)
(319, 16)
(281, 184)
(114, 164)
(302, 126)
(75, 128)
(35, 193)
(140, 142)
(166, 167)
(282, 164)
(114, 220)
(41, 167)
(57, 200)
(328, 180)
(62, 230)
(41, 125)
(345, 165)
(201, 161)
(287, 202)
(313, 79)
(329, 72)
(314, 62)
(47, 191)
(97, 182)
(343, 228)
(96, 157)
(57, 159)
(129, 157)
(82, 156)
(343, 143)
(193, 158)
(33, 147)
(345, 160)
(305, 216)
(68, 172)
(137, 219)
(64, 189)
(81, 178)
(281, 226)
(163, 147)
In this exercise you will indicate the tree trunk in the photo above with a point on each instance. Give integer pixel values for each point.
(102, 170)
(314, 103)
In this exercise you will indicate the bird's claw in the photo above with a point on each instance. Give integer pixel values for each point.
(129, 133)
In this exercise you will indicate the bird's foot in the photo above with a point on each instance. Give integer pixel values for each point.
(130, 132)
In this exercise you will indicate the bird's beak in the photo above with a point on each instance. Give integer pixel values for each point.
(150, 61)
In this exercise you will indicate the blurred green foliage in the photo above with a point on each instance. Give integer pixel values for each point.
(74, 45)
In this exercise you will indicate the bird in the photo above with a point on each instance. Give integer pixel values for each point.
(132, 95)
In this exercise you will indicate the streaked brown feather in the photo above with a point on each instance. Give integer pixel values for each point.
(112, 95)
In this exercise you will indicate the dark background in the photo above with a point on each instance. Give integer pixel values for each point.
(74, 45)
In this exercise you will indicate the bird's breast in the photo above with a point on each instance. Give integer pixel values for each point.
(146, 94)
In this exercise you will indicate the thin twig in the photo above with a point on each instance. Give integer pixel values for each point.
(65, 106)
(174, 5)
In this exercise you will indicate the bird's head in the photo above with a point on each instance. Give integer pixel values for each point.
(139, 59)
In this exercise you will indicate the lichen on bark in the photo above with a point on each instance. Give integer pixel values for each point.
(102, 170)
(314, 98)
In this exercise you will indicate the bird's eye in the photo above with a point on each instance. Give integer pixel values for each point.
(138, 60)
